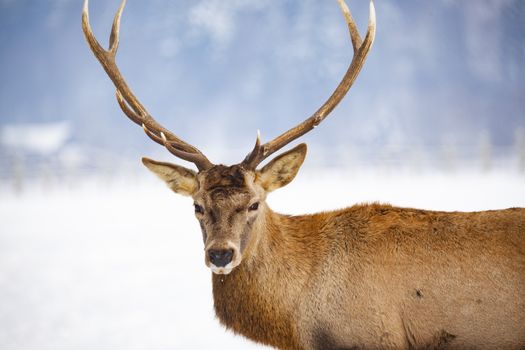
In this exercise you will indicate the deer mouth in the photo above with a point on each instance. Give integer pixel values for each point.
(223, 270)
(222, 257)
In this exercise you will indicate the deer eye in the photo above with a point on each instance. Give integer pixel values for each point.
(254, 206)
(198, 209)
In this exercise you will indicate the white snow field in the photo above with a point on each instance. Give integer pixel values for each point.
(121, 265)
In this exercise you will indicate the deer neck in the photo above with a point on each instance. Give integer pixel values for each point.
(251, 300)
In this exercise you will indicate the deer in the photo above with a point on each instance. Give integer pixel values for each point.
(369, 276)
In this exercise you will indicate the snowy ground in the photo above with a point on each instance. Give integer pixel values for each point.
(120, 266)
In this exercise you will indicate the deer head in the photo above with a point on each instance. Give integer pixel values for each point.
(229, 200)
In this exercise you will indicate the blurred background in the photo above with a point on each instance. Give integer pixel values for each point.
(443, 87)
(436, 119)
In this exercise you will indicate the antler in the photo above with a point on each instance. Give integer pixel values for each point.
(361, 49)
(129, 104)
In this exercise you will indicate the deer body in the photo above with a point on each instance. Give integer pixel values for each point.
(366, 277)
(380, 277)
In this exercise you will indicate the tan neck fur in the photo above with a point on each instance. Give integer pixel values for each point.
(252, 297)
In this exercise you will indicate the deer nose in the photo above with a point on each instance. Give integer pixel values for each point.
(220, 257)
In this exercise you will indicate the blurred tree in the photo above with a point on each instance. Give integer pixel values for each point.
(520, 149)
(485, 151)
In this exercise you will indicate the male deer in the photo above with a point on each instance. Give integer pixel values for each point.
(366, 277)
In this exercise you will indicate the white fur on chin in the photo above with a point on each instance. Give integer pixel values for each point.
(221, 270)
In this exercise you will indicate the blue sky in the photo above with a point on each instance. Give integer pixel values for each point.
(215, 71)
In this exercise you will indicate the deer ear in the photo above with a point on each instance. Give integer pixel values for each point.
(282, 169)
(178, 178)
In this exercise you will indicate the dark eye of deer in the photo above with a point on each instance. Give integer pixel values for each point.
(199, 209)
(254, 206)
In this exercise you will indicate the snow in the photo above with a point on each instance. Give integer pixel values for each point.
(121, 265)
(42, 138)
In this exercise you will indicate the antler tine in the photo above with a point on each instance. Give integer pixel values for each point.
(251, 157)
(128, 102)
(361, 49)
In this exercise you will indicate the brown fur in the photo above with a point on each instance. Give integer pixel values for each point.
(370, 276)
(376, 276)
